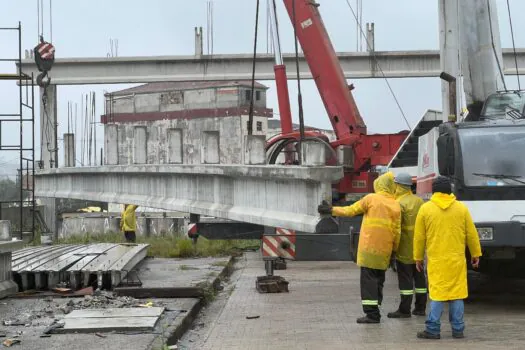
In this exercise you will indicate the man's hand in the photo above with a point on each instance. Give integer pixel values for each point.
(324, 208)
(475, 262)
(419, 265)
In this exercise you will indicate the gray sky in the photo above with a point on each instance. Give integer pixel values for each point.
(164, 27)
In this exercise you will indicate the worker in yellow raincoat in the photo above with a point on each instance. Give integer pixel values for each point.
(444, 229)
(128, 222)
(407, 274)
(378, 238)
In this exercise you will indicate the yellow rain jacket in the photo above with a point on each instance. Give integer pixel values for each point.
(410, 205)
(128, 221)
(381, 225)
(444, 228)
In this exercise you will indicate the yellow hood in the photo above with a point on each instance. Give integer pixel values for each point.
(385, 184)
(402, 191)
(443, 200)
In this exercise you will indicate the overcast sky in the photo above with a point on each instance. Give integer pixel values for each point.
(166, 27)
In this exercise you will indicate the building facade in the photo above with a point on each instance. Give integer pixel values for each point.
(182, 122)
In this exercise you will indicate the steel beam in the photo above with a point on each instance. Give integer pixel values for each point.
(394, 64)
(277, 196)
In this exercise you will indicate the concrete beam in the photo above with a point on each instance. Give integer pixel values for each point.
(109, 70)
(277, 196)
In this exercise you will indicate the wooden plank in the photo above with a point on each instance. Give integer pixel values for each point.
(165, 292)
(117, 312)
(109, 324)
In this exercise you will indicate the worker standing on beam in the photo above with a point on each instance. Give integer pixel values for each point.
(378, 238)
(407, 274)
(128, 223)
(444, 229)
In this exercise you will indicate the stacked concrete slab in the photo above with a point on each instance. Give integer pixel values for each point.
(7, 246)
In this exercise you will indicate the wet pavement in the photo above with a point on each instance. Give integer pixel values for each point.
(324, 302)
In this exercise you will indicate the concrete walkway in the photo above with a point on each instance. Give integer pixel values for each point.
(321, 308)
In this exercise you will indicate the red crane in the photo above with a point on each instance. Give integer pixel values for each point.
(363, 151)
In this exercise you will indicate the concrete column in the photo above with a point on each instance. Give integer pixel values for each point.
(111, 144)
(481, 55)
(370, 37)
(48, 127)
(198, 42)
(69, 150)
(313, 153)
(254, 152)
(5, 230)
(7, 246)
(449, 49)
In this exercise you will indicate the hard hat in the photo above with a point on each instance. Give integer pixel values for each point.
(403, 179)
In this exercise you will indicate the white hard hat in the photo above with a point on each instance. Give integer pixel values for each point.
(403, 179)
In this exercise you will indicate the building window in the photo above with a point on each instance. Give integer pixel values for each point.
(259, 126)
(248, 94)
(257, 95)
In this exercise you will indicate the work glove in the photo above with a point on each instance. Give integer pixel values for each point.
(392, 264)
(324, 208)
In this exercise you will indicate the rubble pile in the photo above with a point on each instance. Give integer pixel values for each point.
(56, 307)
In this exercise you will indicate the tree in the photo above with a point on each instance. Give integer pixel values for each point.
(9, 190)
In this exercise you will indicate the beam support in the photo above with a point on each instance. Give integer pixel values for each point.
(230, 67)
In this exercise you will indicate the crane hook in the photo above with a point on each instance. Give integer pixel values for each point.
(44, 59)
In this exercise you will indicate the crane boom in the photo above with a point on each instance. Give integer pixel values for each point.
(326, 69)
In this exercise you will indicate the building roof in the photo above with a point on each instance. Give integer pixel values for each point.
(184, 85)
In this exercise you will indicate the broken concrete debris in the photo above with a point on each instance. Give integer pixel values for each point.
(10, 342)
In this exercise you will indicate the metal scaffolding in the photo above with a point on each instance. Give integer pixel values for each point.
(25, 150)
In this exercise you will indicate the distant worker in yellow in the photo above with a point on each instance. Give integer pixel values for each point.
(378, 238)
(444, 229)
(407, 274)
(128, 223)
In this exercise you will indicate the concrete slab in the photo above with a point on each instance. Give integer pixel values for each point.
(10, 246)
(7, 288)
(127, 312)
(180, 272)
(109, 324)
(40, 268)
(41, 314)
(109, 320)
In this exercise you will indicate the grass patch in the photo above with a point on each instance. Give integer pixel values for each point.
(220, 263)
(186, 267)
(170, 246)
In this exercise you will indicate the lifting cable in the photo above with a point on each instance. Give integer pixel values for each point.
(378, 65)
(250, 118)
(514, 46)
(299, 94)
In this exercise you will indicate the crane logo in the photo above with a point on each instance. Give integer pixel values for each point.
(426, 160)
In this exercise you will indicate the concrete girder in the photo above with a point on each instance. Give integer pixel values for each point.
(277, 196)
(394, 64)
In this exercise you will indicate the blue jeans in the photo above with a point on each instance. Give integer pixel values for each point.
(456, 309)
